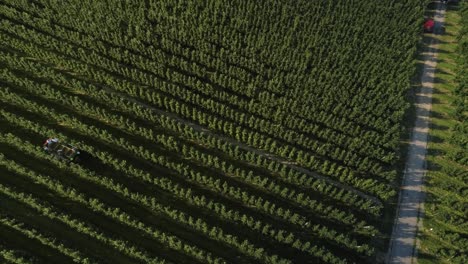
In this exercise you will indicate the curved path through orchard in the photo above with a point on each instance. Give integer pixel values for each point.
(402, 247)
(246, 147)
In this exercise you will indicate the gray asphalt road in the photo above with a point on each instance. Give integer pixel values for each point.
(402, 244)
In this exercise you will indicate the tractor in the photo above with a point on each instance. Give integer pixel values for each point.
(62, 151)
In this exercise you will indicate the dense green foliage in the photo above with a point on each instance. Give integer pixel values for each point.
(461, 91)
(445, 232)
(217, 131)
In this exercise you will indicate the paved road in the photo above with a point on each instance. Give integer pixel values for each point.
(402, 244)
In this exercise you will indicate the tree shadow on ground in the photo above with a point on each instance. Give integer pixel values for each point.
(439, 127)
(439, 80)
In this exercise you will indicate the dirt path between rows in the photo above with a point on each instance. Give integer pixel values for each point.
(246, 147)
(411, 198)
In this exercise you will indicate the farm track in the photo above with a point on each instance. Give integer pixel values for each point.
(411, 198)
(246, 147)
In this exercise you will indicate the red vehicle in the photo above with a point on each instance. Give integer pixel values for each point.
(429, 25)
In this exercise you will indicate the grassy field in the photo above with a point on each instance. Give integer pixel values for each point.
(444, 231)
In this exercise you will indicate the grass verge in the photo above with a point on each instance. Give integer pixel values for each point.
(444, 229)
